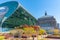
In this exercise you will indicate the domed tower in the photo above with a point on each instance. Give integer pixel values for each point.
(47, 22)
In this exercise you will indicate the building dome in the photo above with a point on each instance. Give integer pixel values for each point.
(46, 17)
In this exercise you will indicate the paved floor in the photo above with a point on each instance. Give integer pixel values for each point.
(53, 39)
(32, 39)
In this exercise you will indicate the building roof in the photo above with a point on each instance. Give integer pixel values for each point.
(46, 17)
(16, 15)
(12, 7)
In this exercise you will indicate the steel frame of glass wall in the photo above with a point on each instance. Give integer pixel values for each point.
(16, 15)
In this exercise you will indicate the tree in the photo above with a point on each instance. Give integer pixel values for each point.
(42, 32)
(56, 31)
(29, 31)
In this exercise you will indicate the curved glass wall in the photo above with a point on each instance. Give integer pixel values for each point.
(3, 11)
(19, 17)
(12, 16)
(16, 15)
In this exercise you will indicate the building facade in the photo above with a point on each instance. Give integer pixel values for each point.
(58, 26)
(14, 14)
(47, 22)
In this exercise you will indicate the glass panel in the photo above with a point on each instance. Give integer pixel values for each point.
(3, 11)
(19, 18)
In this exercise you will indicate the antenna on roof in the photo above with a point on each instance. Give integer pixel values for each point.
(45, 13)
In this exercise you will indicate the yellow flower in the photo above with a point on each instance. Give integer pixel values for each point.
(1, 37)
(29, 30)
(42, 31)
(56, 31)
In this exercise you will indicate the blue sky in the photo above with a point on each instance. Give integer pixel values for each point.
(38, 7)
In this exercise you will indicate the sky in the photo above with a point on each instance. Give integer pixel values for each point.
(37, 8)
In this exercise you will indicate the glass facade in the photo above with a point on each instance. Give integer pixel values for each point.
(12, 15)
(3, 11)
(19, 17)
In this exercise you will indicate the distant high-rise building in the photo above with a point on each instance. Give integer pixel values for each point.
(47, 22)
